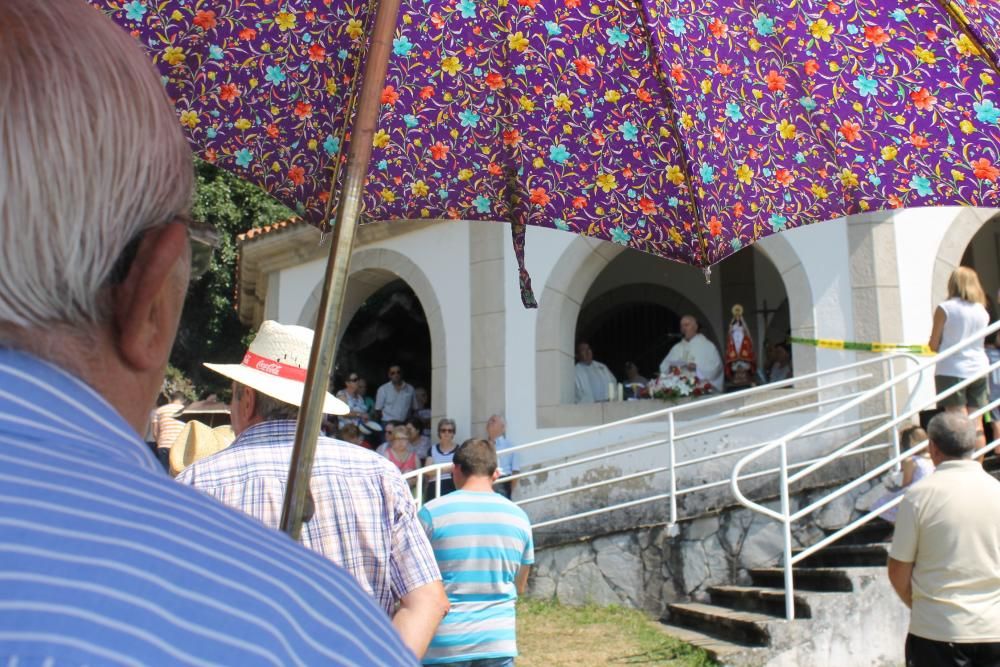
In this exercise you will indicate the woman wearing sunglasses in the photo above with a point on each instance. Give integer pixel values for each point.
(442, 452)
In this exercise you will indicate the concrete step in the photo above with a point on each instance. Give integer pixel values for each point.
(874, 532)
(847, 555)
(756, 598)
(720, 650)
(741, 627)
(805, 578)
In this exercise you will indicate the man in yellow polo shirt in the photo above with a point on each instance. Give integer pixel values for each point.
(944, 562)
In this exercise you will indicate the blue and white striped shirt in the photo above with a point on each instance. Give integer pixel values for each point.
(480, 540)
(105, 560)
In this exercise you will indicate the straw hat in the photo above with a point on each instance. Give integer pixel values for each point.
(276, 365)
(197, 441)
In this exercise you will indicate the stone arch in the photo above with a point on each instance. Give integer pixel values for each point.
(373, 268)
(801, 306)
(953, 244)
(558, 309)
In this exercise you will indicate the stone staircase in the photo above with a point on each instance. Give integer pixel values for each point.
(843, 601)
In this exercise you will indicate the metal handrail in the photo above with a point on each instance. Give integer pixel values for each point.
(701, 403)
(786, 517)
(673, 437)
(671, 412)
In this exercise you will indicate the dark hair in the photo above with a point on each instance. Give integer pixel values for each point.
(348, 432)
(416, 422)
(953, 434)
(476, 458)
(911, 436)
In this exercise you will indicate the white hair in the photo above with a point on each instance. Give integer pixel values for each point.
(91, 154)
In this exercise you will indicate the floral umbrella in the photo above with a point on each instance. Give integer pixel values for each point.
(687, 129)
(680, 128)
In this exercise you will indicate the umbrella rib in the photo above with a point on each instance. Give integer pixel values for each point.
(963, 25)
(351, 102)
(675, 132)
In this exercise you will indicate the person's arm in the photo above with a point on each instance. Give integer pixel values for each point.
(380, 399)
(419, 613)
(909, 466)
(901, 578)
(521, 580)
(937, 329)
(416, 579)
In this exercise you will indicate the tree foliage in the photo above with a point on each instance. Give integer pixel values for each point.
(210, 329)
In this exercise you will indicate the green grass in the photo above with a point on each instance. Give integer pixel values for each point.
(553, 635)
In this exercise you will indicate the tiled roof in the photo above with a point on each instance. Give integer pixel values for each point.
(257, 232)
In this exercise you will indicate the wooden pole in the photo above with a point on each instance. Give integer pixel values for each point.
(297, 495)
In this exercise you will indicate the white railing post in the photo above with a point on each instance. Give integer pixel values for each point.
(437, 483)
(893, 413)
(786, 522)
(420, 488)
(673, 475)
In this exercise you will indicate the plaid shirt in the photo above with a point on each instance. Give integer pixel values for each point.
(365, 518)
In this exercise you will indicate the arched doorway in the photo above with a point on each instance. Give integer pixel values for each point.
(982, 255)
(403, 287)
(781, 294)
(389, 327)
(633, 308)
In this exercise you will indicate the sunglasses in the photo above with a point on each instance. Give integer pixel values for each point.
(352, 379)
(446, 430)
(203, 240)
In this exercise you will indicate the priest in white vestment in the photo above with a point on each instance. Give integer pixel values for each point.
(592, 377)
(695, 353)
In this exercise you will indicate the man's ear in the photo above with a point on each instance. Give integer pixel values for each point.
(147, 305)
(496, 474)
(248, 404)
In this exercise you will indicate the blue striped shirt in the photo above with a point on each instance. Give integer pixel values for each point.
(105, 560)
(480, 540)
(365, 519)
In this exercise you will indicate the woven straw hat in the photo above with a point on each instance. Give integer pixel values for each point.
(276, 365)
(197, 441)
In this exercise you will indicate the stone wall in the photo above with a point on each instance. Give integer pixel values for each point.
(647, 568)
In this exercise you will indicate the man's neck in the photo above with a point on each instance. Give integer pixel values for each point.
(92, 357)
(478, 484)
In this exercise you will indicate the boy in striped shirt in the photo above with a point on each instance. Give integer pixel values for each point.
(483, 545)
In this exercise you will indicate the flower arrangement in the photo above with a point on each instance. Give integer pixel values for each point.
(678, 383)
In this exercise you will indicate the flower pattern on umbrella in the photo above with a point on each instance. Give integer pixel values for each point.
(568, 113)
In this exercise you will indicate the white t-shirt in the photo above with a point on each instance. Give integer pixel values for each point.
(947, 526)
(963, 319)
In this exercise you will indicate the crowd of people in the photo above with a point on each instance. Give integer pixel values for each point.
(106, 559)
(694, 356)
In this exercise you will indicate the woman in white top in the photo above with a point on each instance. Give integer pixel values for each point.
(962, 315)
(442, 452)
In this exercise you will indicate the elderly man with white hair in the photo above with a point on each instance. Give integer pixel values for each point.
(103, 558)
(944, 562)
(696, 354)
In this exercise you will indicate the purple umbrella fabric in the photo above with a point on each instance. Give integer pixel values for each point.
(684, 129)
